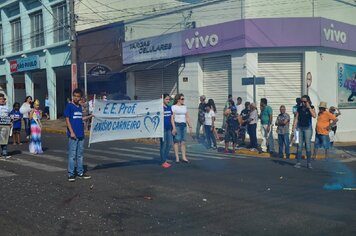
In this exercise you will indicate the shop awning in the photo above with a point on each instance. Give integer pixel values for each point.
(151, 65)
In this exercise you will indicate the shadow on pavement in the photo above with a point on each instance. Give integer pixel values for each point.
(284, 162)
(123, 164)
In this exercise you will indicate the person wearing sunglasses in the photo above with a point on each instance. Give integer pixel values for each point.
(180, 120)
(303, 121)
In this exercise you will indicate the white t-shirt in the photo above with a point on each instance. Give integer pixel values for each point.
(25, 109)
(209, 117)
(4, 110)
(179, 113)
(239, 108)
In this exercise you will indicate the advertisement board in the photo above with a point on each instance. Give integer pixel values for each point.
(346, 85)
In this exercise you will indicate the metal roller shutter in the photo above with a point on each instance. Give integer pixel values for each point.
(217, 82)
(151, 84)
(283, 77)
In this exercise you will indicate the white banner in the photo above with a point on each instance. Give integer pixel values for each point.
(115, 120)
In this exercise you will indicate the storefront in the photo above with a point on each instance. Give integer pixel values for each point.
(283, 51)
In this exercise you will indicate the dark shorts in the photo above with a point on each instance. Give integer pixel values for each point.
(230, 136)
(46, 110)
(181, 132)
(322, 141)
(16, 130)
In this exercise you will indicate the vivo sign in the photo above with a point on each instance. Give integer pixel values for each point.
(334, 35)
(201, 41)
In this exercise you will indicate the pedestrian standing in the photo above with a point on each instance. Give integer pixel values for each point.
(231, 129)
(209, 127)
(323, 126)
(25, 109)
(201, 116)
(282, 124)
(4, 115)
(166, 141)
(36, 128)
(245, 114)
(16, 118)
(75, 131)
(266, 116)
(294, 137)
(336, 112)
(252, 126)
(46, 110)
(213, 107)
(303, 122)
(228, 104)
(239, 105)
(180, 120)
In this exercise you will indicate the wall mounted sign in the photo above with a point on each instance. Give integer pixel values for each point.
(25, 64)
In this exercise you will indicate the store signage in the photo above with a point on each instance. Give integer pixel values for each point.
(202, 41)
(154, 48)
(332, 34)
(99, 70)
(24, 64)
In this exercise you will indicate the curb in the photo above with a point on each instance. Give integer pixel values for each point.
(247, 152)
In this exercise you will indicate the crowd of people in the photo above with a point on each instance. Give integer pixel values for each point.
(11, 122)
(238, 121)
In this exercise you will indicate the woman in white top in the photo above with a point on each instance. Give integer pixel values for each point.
(180, 120)
(25, 109)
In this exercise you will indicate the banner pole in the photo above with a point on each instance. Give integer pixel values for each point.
(92, 121)
(163, 118)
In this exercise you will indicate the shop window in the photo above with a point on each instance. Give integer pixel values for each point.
(60, 24)
(16, 35)
(37, 33)
(1, 42)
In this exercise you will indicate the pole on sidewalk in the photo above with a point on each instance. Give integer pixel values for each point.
(254, 89)
(73, 43)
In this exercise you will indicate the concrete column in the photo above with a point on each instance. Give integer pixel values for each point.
(51, 87)
(9, 85)
(29, 84)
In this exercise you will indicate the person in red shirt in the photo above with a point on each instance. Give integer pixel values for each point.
(323, 125)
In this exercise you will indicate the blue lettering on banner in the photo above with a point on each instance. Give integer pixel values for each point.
(113, 109)
(151, 123)
(29, 63)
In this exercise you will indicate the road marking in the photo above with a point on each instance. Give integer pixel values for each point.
(4, 173)
(352, 159)
(194, 154)
(122, 154)
(36, 165)
(96, 156)
(56, 158)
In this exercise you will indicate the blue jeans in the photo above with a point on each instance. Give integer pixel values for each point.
(75, 156)
(181, 129)
(305, 135)
(4, 150)
(209, 136)
(283, 140)
(166, 144)
(253, 136)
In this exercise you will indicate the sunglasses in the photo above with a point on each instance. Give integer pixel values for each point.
(304, 101)
(181, 99)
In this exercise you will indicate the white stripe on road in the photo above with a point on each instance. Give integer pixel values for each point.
(121, 154)
(95, 156)
(4, 173)
(352, 159)
(36, 165)
(194, 154)
(55, 158)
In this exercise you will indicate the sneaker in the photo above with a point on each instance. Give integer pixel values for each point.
(297, 165)
(215, 147)
(309, 166)
(166, 165)
(84, 176)
(71, 178)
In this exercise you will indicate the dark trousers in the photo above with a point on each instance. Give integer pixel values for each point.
(27, 126)
(209, 136)
(253, 136)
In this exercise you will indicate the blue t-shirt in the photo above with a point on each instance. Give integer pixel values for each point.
(167, 117)
(16, 115)
(75, 115)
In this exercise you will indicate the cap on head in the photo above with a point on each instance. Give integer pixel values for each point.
(323, 105)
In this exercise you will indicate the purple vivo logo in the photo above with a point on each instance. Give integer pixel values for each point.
(200, 41)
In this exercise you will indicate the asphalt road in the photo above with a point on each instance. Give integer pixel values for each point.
(130, 194)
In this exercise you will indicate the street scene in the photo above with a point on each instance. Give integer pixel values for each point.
(177, 117)
(130, 194)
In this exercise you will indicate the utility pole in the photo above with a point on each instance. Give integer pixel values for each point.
(73, 45)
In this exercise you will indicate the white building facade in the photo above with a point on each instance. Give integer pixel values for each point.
(212, 59)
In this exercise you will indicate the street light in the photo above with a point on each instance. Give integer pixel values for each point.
(85, 76)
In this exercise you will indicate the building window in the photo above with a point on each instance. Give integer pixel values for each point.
(1, 42)
(37, 34)
(16, 35)
(60, 23)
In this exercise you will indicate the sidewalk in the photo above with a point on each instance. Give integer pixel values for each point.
(341, 150)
